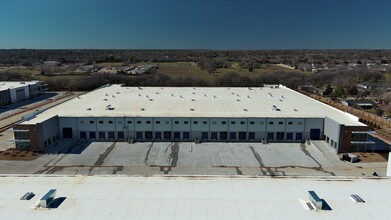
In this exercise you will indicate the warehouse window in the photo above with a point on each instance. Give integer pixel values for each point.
(167, 122)
(204, 122)
(242, 136)
(83, 135)
(176, 122)
(233, 122)
(120, 135)
(280, 136)
(270, 136)
(251, 136)
(195, 122)
(223, 122)
(213, 135)
(102, 135)
(129, 122)
(138, 122)
(111, 135)
(223, 135)
(148, 135)
(92, 135)
(157, 122)
(280, 122)
(158, 135)
(270, 122)
(186, 135)
(167, 135)
(148, 122)
(177, 135)
(139, 135)
(290, 123)
(299, 136)
(186, 122)
(242, 122)
(100, 122)
(110, 122)
(91, 122)
(252, 122)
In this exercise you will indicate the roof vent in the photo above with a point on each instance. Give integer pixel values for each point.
(214, 96)
(150, 100)
(172, 95)
(156, 92)
(113, 96)
(139, 94)
(193, 93)
(142, 109)
(248, 97)
(104, 99)
(181, 96)
(192, 109)
(193, 100)
(356, 198)
(107, 94)
(282, 97)
(205, 95)
(238, 100)
(89, 109)
(117, 92)
(147, 96)
(108, 107)
(295, 110)
(245, 110)
(139, 88)
(281, 100)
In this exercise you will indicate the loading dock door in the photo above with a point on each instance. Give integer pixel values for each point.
(315, 134)
(67, 132)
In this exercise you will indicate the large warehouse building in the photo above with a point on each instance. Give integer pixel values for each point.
(272, 113)
(12, 92)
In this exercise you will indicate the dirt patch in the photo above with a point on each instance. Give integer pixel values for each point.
(13, 154)
(372, 157)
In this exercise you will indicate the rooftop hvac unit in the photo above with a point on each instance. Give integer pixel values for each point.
(47, 198)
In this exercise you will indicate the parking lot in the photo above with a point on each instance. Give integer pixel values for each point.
(173, 158)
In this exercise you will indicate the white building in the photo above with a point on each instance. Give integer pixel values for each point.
(270, 114)
(11, 92)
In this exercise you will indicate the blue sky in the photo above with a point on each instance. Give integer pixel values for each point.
(195, 24)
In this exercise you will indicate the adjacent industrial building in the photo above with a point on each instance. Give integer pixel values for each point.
(15, 91)
(272, 113)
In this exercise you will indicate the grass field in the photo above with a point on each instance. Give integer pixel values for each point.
(174, 70)
(190, 69)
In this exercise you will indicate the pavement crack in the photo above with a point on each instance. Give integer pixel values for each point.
(261, 164)
(148, 152)
(320, 167)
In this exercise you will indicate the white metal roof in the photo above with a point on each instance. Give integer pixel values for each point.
(196, 102)
(125, 197)
(5, 85)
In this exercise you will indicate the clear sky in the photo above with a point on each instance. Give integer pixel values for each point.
(195, 24)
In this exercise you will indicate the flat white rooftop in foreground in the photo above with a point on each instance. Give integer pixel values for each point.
(124, 197)
(196, 102)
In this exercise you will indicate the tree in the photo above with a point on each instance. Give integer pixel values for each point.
(379, 111)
